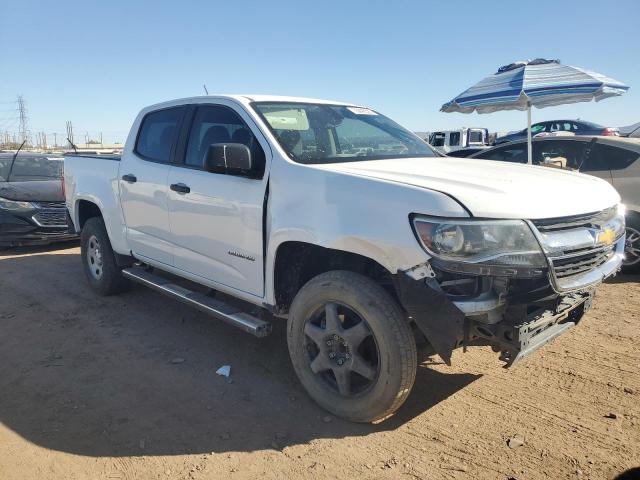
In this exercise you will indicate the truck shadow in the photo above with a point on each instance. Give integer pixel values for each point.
(135, 374)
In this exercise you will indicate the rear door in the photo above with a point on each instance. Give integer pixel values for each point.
(217, 219)
(143, 185)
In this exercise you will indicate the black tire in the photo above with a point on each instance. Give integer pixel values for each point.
(379, 366)
(102, 271)
(631, 263)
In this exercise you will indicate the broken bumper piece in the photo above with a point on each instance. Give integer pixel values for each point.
(519, 335)
(514, 323)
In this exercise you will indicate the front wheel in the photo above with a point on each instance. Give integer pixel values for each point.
(351, 346)
(631, 262)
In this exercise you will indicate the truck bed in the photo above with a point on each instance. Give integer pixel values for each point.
(109, 156)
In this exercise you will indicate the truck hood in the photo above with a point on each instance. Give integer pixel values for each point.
(35, 191)
(494, 189)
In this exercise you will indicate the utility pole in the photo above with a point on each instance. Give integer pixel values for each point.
(24, 121)
(55, 140)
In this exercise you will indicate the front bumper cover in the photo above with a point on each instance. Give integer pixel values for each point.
(512, 324)
(20, 229)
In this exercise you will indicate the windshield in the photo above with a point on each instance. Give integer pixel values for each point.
(30, 168)
(316, 133)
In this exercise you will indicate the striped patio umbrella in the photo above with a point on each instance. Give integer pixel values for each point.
(538, 83)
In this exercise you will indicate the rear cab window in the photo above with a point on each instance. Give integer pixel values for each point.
(158, 133)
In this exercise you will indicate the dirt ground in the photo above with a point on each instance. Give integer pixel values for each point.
(125, 387)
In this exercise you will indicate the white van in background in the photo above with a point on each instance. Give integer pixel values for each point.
(453, 140)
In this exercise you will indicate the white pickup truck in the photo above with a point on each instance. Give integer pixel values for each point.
(377, 251)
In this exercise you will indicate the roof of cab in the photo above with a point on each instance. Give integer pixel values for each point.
(245, 99)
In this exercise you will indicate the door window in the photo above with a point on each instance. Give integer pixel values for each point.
(218, 124)
(437, 139)
(157, 134)
(607, 157)
(475, 136)
(454, 139)
(512, 153)
(537, 128)
(564, 153)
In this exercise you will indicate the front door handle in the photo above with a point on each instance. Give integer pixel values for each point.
(180, 188)
(130, 178)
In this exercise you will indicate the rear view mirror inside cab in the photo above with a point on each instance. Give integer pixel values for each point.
(291, 119)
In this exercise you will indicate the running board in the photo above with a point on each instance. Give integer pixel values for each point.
(216, 308)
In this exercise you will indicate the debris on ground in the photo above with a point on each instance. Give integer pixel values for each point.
(516, 441)
(611, 415)
(224, 371)
(177, 360)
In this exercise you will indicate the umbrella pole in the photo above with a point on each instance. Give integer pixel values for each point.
(529, 154)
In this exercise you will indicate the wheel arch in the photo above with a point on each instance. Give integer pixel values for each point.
(296, 262)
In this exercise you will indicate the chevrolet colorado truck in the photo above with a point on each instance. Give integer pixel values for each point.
(376, 251)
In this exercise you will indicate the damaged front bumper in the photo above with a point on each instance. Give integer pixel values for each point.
(514, 315)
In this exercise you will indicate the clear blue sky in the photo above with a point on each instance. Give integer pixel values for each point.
(98, 63)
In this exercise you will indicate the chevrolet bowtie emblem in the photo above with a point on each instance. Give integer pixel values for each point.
(606, 236)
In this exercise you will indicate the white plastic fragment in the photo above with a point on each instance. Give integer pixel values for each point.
(224, 370)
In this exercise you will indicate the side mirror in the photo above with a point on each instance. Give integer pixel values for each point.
(228, 158)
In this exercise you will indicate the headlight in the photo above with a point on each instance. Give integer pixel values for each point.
(487, 242)
(15, 206)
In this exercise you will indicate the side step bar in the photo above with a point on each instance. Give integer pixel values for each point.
(228, 313)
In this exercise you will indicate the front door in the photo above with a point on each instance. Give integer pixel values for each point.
(143, 186)
(216, 219)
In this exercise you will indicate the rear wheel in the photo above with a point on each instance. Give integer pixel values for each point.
(351, 346)
(99, 262)
(631, 262)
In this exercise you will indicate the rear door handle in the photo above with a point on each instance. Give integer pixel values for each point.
(180, 188)
(130, 178)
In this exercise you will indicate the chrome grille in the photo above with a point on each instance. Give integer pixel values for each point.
(51, 218)
(578, 249)
(50, 204)
(588, 220)
(575, 263)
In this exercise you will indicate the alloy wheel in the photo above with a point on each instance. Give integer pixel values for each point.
(342, 350)
(631, 247)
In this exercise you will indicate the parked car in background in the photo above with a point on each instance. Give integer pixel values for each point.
(577, 127)
(631, 131)
(614, 159)
(448, 141)
(32, 207)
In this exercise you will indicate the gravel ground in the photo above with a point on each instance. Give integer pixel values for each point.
(125, 387)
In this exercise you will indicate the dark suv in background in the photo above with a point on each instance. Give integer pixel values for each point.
(577, 127)
(32, 205)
